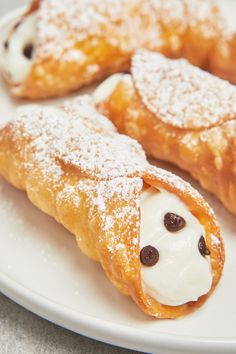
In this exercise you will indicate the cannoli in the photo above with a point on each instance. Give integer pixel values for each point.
(179, 113)
(60, 46)
(154, 235)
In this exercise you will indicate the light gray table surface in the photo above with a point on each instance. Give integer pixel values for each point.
(22, 332)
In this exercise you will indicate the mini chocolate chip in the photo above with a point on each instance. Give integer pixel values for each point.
(6, 45)
(149, 256)
(174, 222)
(28, 51)
(203, 249)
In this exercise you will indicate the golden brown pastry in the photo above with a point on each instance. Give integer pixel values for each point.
(223, 58)
(59, 46)
(154, 235)
(179, 114)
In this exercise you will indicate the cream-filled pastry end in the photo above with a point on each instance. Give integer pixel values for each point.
(105, 89)
(175, 260)
(18, 50)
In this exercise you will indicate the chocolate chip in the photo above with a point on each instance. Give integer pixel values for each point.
(149, 256)
(174, 222)
(6, 45)
(28, 51)
(203, 249)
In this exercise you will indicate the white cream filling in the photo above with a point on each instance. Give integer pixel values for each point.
(182, 274)
(15, 65)
(105, 89)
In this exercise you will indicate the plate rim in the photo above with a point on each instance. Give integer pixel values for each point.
(106, 331)
(109, 332)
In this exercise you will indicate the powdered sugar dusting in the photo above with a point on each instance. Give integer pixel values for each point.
(182, 186)
(63, 24)
(116, 204)
(205, 16)
(180, 94)
(89, 166)
(171, 12)
(122, 188)
(171, 179)
(75, 134)
(105, 168)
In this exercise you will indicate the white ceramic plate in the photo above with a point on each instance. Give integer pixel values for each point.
(42, 269)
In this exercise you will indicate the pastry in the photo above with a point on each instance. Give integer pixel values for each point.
(59, 46)
(179, 113)
(154, 235)
(223, 57)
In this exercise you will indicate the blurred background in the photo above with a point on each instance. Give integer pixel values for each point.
(7, 5)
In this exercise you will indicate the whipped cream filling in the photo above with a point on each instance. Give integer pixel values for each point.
(16, 63)
(104, 90)
(182, 273)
